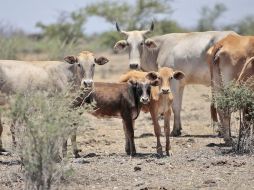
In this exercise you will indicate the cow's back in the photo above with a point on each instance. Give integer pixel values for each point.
(20, 76)
(110, 98)
(187, 52)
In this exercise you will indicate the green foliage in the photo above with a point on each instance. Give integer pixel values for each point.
(168, 26)
(139, 14)
(41, 122)
(68, 28)
(244, 26)
(240, 98)
(209, 17)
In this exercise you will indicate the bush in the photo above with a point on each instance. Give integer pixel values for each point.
(240, 98)
(42, 122)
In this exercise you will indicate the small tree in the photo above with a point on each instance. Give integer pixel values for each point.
(68, 28)
(139, 14)
(240, 99)
(209, 17)
(42, 123)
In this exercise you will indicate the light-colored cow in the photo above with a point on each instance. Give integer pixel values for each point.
(180, 51)
(232, 58)
(22, 76)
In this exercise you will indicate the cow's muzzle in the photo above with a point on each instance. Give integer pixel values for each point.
(87, 83)
(144, 100)
(134, 66)
(165, 90)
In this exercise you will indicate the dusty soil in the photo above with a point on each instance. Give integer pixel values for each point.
(199, 159)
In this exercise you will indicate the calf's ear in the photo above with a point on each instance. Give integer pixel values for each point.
(178, 75)
(152, 76)
(132, 82)
(120, 45)
(155, 82)
(149, 43)
(71, 59)
(101, 60)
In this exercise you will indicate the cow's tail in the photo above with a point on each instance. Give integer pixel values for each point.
(250, 60)
(212, 60)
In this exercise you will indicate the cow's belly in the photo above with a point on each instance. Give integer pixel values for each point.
(196, 70)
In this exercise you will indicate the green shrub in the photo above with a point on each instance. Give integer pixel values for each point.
(239, 98)
(42, 122)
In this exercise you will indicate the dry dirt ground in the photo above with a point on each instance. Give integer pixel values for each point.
(198, 161)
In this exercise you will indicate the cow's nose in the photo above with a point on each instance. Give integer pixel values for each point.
(165, 90)
(88, 83)
(144, 100)
(134, 66)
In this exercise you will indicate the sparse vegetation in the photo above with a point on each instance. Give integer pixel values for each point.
(240, 99)
(42, 122)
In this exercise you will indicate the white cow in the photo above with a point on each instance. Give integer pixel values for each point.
(180, 51)
(22, 76)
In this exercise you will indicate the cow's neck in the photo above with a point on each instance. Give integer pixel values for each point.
(149, 59)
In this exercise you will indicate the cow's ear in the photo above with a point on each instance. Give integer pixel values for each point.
(155, 82)
(121, 45)
(101, 60)
(71, 59)
(132, 82)
(178, 75)
(152, 76)
(149, 43)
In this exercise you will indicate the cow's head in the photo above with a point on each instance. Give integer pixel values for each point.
(142, 89)
(164, 77)
(83, 66)
(135, 42)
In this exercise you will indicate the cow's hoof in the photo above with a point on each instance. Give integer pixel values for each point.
(169, 153)
(159, 151)
(228, 142)
(176, 133)
(76, 153)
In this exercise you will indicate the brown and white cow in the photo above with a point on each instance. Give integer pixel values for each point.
(161, 101)
(120, 100)
(22, 76)
(232, 58)
(180, 51)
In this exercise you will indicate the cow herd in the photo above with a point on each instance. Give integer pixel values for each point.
(160, 67)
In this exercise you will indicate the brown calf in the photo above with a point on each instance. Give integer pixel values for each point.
(161, 100)
(121, 100)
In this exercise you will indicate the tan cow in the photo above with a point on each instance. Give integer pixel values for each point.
(230, 59)
(22, 76)
(161, 100)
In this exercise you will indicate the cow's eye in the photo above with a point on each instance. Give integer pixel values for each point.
(79, 65)
(93, 65)
(170, 78)
(142, 43)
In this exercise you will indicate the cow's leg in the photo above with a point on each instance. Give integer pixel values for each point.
(225, 122)
(75, 149)
(129, 133)
(64, 148)
(167, 130)
(1, 131)
(153, 108)
(127, 143)
(177, 91)
(12, 129)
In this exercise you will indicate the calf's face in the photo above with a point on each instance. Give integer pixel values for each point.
(84, 65)
(143, 90)
(164, 77)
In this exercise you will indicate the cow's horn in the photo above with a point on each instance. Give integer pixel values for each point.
(121, 31)
(152, 26)
(117, 27)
